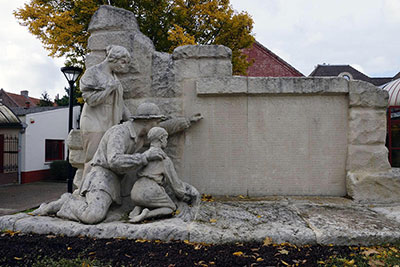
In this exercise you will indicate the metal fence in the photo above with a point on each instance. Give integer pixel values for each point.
(9, 155)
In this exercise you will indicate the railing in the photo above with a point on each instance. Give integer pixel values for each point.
(10, 153)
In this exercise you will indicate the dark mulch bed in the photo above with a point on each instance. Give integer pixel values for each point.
(24, 250)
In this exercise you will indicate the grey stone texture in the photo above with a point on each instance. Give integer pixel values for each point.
(270, 86)
(374, 187)
(298, 220)
(364, 94)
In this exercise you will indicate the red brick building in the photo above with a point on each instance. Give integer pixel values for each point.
(268, 64)
(13, 100)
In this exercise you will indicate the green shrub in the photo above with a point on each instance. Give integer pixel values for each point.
(59, 169)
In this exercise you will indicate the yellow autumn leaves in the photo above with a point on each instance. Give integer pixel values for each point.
(62, 26)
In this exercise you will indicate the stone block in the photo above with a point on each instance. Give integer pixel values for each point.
(351, 225)
(268, 85)
(369, 158)
(100, 40)
(379, 187)
(221, 86)
(163, 77)
(112, 18)
(74, 140)
(136, 86)
(186, 69)
(76, 158)
(202, 51)
(169, 106)
(211, 67)
(367, 126)
(364, 94)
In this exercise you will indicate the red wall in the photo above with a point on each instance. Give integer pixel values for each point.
(267, 64)
(34, 176)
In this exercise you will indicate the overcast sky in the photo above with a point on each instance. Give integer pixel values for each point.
(362, 33)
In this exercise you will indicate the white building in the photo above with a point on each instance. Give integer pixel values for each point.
(43, 139)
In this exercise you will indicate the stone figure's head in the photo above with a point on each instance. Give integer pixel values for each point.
(149, 114)
(158, 135)
(118, 58)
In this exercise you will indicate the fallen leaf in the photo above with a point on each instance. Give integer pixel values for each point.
(17, 258)
(369, 252)
(267, 241)
(129, 256)
(50, 236)
(259, 216)
(69, 248)
(92, 253)
(238, 253)
(197, 246)
(284, 252)
(259, 259)
(242, 197)
(213, 220)
(141, 240)
(284, 262)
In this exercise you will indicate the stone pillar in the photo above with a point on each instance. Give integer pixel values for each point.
(369, 175)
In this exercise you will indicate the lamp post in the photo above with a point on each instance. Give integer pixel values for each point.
(71, 74)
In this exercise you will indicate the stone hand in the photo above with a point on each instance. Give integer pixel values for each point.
(154, 154)
(195, 118)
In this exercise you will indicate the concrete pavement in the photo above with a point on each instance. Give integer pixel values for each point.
(15, 198)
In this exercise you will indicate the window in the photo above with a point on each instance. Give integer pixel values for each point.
(54, 150)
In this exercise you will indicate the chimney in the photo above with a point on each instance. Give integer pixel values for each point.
(25, 93)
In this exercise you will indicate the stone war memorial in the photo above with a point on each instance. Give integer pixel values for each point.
(269, 151)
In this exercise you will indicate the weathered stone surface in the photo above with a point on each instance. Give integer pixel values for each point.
(186, 69)
(76, 158)
(74, 140)
(366, 158)
(136, 86)
(350, 225)
(202, 51)
(94, 58)
(211, 67)
(249, 222)
(367, 126)
(364, 94)
(112, 18)
(380, 187)
(163, 77)
(268, 85)
(8, 222)
(296, 220)
(100, 40)
(169, 106)
(222, 85)
(267, 145)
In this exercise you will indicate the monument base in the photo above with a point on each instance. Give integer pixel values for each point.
(297, 220)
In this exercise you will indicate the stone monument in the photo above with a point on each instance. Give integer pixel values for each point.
(260, 137)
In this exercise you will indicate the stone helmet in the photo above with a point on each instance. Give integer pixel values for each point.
(148, 111)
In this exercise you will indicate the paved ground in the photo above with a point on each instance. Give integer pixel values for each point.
(15, 198)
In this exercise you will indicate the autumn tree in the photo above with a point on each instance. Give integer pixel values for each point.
(62, 25)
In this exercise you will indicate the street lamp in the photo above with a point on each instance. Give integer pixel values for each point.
(72, 75)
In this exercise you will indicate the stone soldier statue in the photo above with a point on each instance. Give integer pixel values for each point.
(118, 153)
(148, 193)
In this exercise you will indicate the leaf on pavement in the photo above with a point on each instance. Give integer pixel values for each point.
(267, 241)
(238, 253)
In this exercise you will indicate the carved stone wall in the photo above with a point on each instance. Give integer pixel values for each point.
(259, 136)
